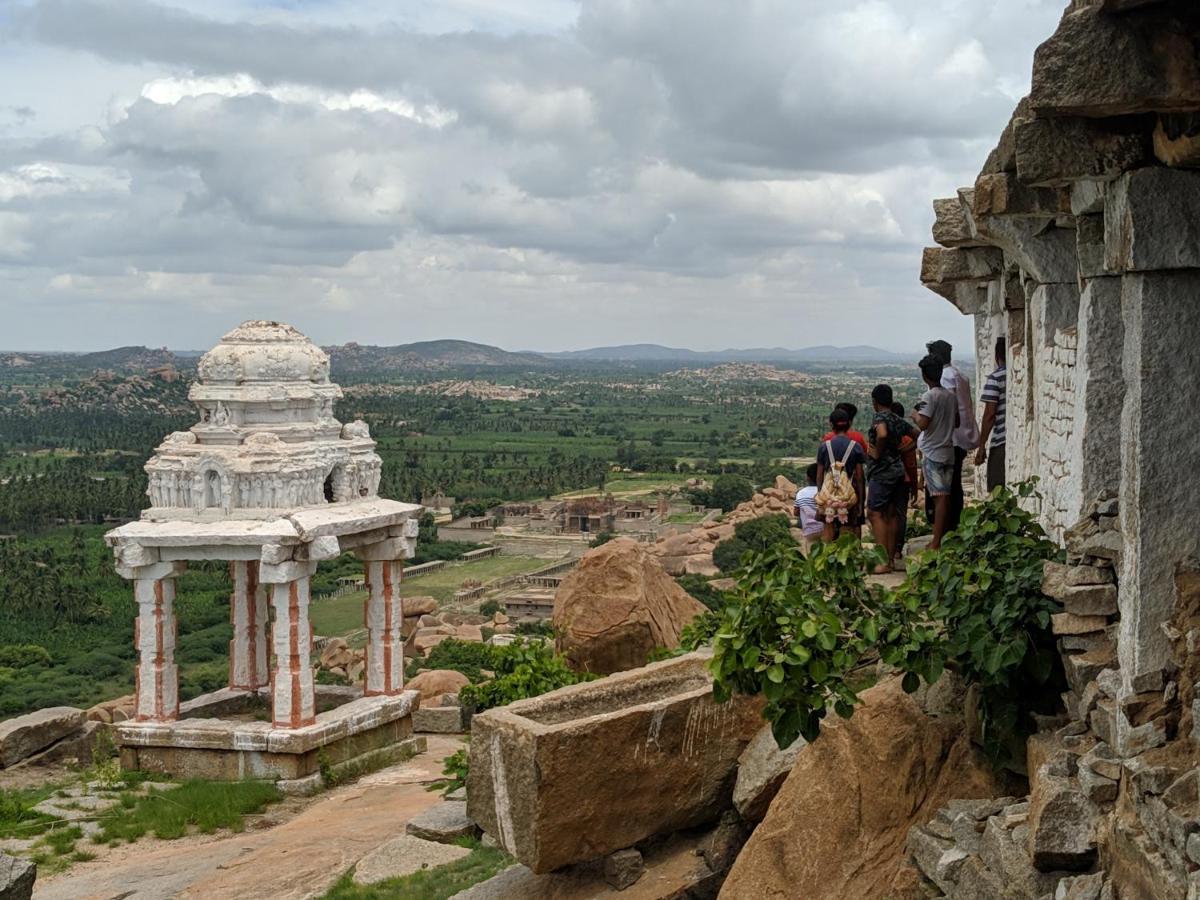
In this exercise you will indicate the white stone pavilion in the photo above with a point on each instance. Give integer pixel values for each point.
(269, 480)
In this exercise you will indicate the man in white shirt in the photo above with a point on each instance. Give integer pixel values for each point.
(966, 434)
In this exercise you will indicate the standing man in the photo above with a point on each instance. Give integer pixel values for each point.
(993, 398)
(887, 492)
(936, 417)
(966, 432)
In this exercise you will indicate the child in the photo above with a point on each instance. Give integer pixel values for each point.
(811, 526)
(936, 417)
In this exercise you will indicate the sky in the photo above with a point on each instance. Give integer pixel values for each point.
(534, 174)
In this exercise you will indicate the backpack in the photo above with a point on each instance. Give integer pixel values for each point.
(837, 495)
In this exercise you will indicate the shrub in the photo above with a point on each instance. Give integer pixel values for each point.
(523, 669)
(467, 657)
(796, 630)
(983, 588)
(454, 771)
(18, 656)
(489, 607)
(730, 490)
(727, 555)
(798, 627)
(699, 587)
(601, 539)
(763, 533)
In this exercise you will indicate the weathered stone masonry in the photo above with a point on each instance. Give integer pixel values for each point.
(1080, 242)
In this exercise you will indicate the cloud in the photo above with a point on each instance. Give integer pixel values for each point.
(633, 172)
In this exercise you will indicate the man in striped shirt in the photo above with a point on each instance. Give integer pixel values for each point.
(993, 400)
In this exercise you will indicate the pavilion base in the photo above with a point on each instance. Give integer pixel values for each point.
(358, 732)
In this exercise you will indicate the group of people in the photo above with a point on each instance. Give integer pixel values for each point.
(883, 471)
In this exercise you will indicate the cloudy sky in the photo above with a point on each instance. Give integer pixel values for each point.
(544, 174)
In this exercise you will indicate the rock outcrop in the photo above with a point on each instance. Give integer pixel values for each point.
(837, 827)
(690, 553)
(617, 607)
(23, 736)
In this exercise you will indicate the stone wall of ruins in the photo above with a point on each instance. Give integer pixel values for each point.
(1080, 241)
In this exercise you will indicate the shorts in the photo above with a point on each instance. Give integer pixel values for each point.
(885, 496)
(939, 477)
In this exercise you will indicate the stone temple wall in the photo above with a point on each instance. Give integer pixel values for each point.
(1080, 241)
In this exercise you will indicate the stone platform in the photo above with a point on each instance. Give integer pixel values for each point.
(350, 732)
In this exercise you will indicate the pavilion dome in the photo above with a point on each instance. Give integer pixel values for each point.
(267, 441)
(264, 351)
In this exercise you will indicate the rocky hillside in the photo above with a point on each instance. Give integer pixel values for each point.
(424, 356)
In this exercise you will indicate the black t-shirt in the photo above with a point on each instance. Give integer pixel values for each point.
(889, 467)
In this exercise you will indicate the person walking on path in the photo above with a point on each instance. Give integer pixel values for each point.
(966, 432)
(840, 466)
(936, 416)
(811, 526)
(994, 414)
(887, 493)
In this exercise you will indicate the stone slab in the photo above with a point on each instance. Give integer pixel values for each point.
(346, 518)
(444, 823)
(404, 855)
(442, 720)
(23, 736)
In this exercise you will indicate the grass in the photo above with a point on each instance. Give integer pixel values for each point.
(341, 615)
(429, 884)
(204, 806)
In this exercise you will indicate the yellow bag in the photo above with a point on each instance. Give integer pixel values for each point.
(837, 495)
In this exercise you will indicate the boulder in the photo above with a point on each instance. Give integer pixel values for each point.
(16, 877)
(435, 682)
(469, 633)
(1062, 824)
(762, 769)
(25, 735)
(419, 606)
(617, 607)
(837, 827)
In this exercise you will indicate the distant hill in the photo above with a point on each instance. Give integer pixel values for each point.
(356, 358)
(657, 353)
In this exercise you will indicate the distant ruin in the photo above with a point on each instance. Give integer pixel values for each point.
(1080, 243)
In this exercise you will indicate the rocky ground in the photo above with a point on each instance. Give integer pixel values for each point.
(298, 849)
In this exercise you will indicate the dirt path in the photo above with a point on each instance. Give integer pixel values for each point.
(297, 858)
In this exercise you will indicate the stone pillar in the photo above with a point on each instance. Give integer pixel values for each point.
(248, 651)
(383, 616)
(1159, 496)
(155, 633)
(293, 700)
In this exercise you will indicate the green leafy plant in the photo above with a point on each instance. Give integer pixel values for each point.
(523, 669)
(470, 658)
(797, 628)
(455, 769)
(983, 589)
(490, 607)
